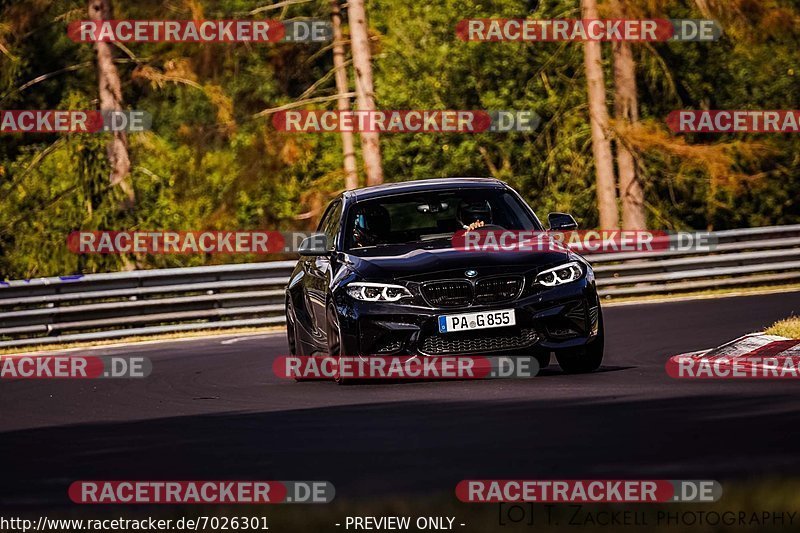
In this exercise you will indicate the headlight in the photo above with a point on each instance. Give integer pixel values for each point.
(559, 275)
(377, 292)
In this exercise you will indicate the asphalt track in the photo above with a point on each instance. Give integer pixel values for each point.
(212, 409)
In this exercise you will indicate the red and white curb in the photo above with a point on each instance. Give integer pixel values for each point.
(753, 356)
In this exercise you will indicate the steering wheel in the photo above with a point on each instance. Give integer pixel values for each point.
(489, 227)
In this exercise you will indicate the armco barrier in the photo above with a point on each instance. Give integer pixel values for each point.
(107, 306)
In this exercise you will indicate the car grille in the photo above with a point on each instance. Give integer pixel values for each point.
(389, 345)
(496, 290)
(448, 293)
(477, 342)
(461, 293)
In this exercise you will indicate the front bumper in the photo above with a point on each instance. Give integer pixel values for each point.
(547, 320)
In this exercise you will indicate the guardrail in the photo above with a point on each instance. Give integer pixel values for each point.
(145, 302)
(739, 258)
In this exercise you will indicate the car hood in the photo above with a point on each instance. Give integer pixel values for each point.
(441, 263)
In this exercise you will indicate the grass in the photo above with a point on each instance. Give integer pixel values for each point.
(789, 327)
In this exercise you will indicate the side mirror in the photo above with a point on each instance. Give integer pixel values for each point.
(314, 245)
(561, 222)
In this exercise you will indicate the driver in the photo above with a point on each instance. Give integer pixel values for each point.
(474, 215)
(371, 226)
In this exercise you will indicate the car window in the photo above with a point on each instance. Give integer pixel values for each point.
(420, 217)
(329, 224)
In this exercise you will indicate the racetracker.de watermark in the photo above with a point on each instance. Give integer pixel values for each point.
(200, 31)
(734, 121)
(583, 241)
(751, 357)
(587, 491)
(200, 492)
(67, 121)
(389, 367)
(73, 367)
(191, 242)
(406, 121)
(544, 30)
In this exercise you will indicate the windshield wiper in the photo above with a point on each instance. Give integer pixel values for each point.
(436, 236)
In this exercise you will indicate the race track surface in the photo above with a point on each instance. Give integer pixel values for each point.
(212, 409)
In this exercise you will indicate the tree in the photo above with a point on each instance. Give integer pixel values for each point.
(110, 90)
(365, 94)
(211, 162)
(598, 116)
(343, 103)
(626, 113)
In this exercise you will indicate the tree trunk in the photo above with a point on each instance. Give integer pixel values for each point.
(598, 115)
(343, 104)
(110, 90)
(365, 96)
(626, 112)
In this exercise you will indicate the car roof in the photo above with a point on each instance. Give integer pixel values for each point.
(438, 184)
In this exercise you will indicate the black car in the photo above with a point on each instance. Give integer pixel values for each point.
(391, 282)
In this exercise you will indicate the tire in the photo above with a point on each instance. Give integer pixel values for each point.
(291, 335)
(334, 339)
(585, 359)
(543, 359)
(291, 328)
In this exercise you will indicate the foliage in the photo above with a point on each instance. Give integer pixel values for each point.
(209, 162)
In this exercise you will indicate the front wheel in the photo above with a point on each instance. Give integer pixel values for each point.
(334, 339)
(586, 358)
(291, 328)
(293, 337)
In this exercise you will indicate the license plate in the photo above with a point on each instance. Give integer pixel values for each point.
(480, 320)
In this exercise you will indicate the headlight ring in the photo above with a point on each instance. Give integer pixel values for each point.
(377, 292)
(560, 275)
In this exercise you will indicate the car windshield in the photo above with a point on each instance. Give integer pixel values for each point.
(430, 216)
